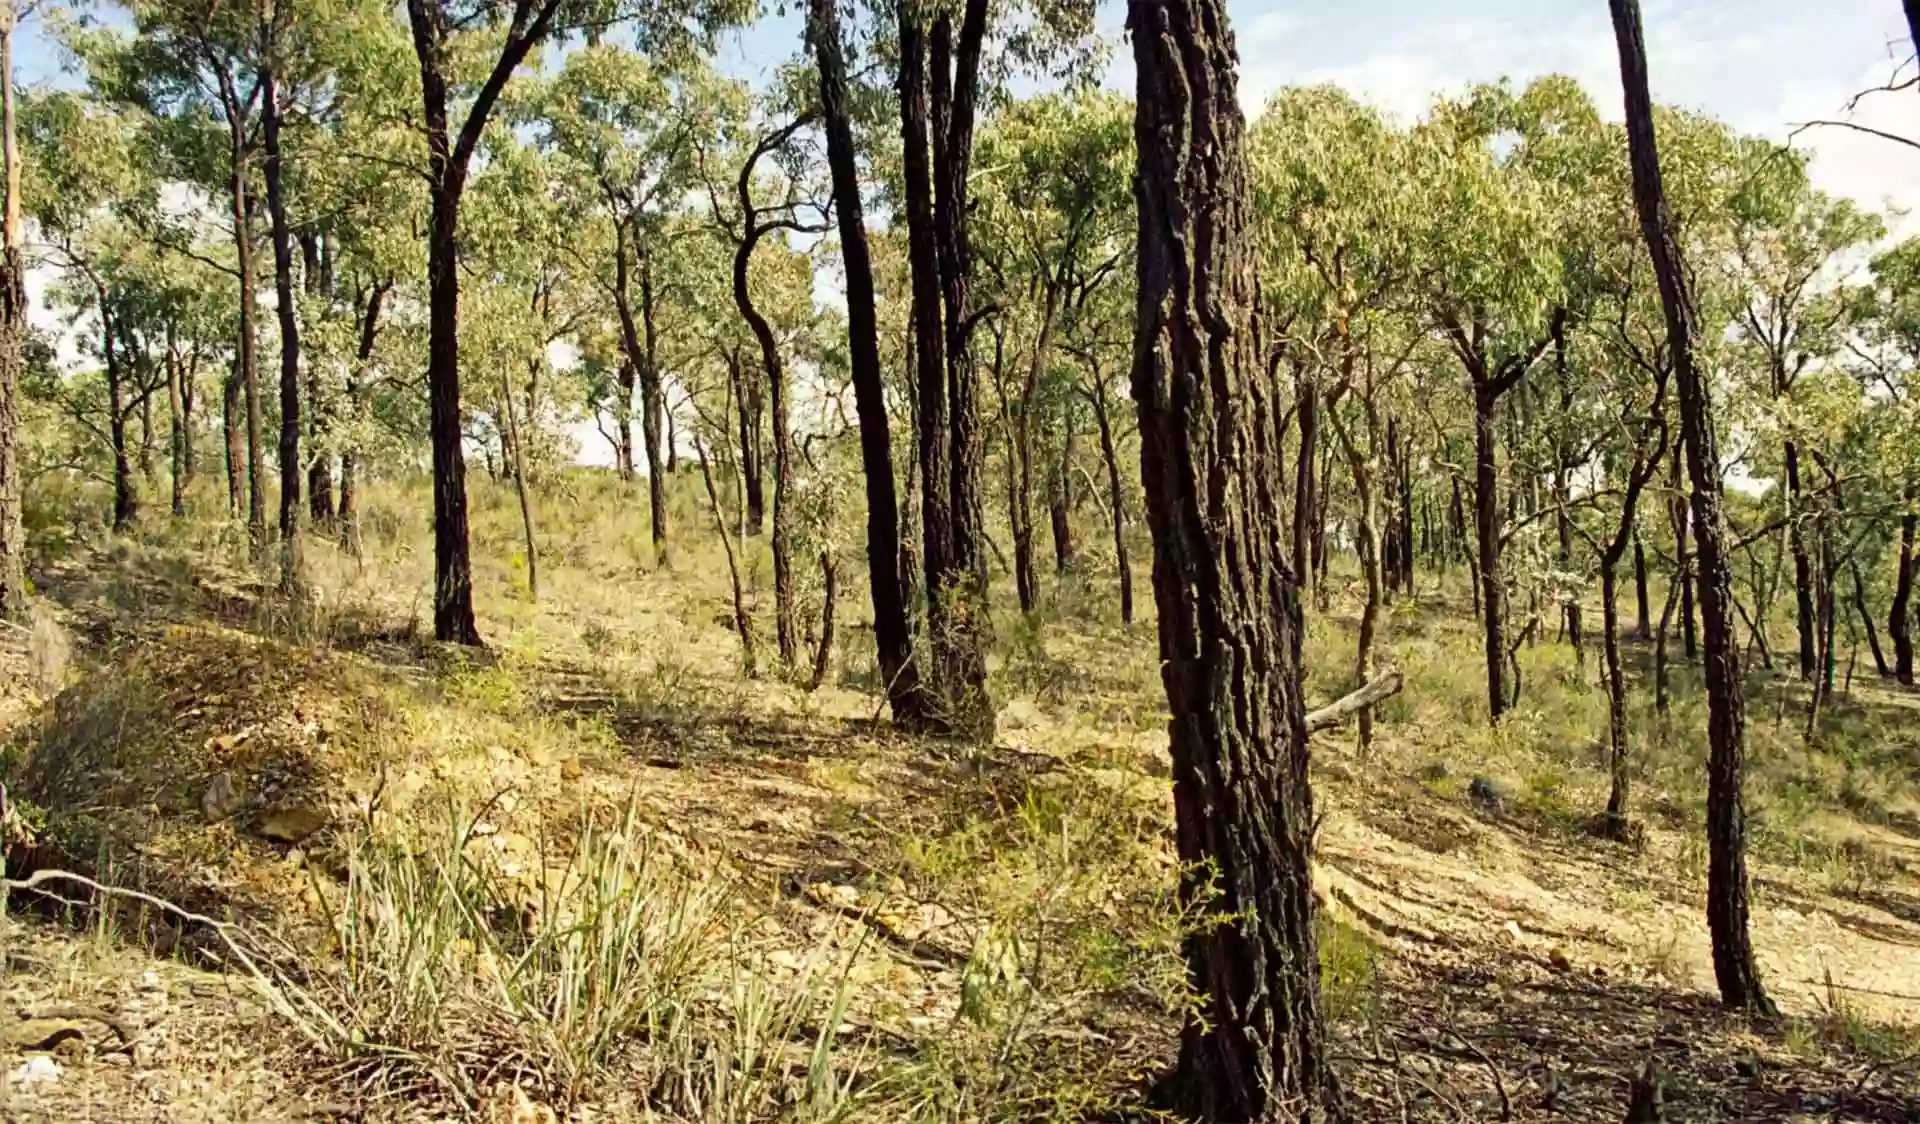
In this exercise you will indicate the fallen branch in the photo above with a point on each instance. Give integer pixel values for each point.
(1337, 713)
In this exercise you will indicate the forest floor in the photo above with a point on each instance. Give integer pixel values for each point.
(596, 873)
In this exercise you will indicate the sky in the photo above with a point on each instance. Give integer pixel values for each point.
(1763, 66)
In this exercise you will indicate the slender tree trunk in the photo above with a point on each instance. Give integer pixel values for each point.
(891, 638)
(176, 428)
(356, 402)
(13, 336)
(752, 405)
(1306, 499)
(453, 619)
(640, 357)
(1803, 593)
(625, 384)
(521, 486)
(1060, 496)
(236, 442)
(316, 253)
(1866, 619)
(1229, 604)
(282, 236)
(786, 616)
(1900, 614)
(1366, 539)
(1616, 704)
(1486, 523)
(829, 594)
(1116, 496)
(126, 500)
(1682, 561)
(742, 622)
(1643, 620)
(248, 370)
(1727, 907)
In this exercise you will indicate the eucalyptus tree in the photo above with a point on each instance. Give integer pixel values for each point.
(447, 36)
(13, 322)
(1050, 194)
(1488, 249)
(1727, 905)
(1887, 353)
(1335, 214)
(892, 639)
(1788, 241)
(1229, 609)
(776, 193)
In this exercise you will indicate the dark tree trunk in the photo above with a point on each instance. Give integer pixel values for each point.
(1805, 615)
(126, 500)
(1643, 620)
(453, 619)
(316, 258)
(1562, 492)
(1866, 620)
(1616, 703)
(1727, 907)
(1306, 498)
(625, 382)
(282, 237)
(1060, 496)
(786, 627)
(231, 411)
(1116, 494)
(640, 355)
(752, 401)
(248, 372)
(742, 623)
(1683, 561)
(1900, 614)
(1486, 524)
(176, 427)
(892, 640)
(1229, 603)
(829, 595)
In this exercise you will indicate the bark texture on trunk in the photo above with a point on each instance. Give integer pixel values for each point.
(356, 402)
(1116, 494)
(1229, 603)
(13, 340)
(235, 443)
(248, 365)
(282, 238)
(893, 642)
(1727, 905)
(1900, 616)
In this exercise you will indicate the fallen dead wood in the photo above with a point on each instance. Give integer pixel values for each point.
(1336, 713)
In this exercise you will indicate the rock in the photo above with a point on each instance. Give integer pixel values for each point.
(37, 1070)
(291, 823)
(1559, 960)
(570, 769)
(222, 798)
(1487, 794)
(42, 1034)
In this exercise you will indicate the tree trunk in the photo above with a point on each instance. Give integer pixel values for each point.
(742, 623)
(1733, 961)
(1229, 602)
(521, 486)
(356, 402)
(126, 501)
(453, 619)
(13, 337)
(1803, 593)
(752, 405)
(1643, 620)
(1683, 562)
(1900, 615)
(1616, 704)
(236, 442)
(624, 384)
(282, 235)
(1866, 619)
(176, 428)
(1060, 496)
(891, 638)
(785, 615)
(1306, 499)
(248, 372)
(640, 358)
(829, 594)
(1486, 524)
(1116, 495)
(316, 254)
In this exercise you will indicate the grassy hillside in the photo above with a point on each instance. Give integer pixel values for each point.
(599, 873)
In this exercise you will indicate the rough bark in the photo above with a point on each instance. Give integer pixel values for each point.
(176, 429)
(126, 499)
(891, 638)
(1229, 602)
(1060, 496)
(1486, 525)
(238, 154)
(13, 338)
(235, 442)
(1727, 905)
(282, 238)
(1900, 622)
(1642, 620)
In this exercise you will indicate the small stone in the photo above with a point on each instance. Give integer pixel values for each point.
(222, 798)
(1487, 794)
(293, 823)
(1559, 960)
(37, 1070)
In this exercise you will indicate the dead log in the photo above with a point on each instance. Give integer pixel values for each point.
(1336, 713)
